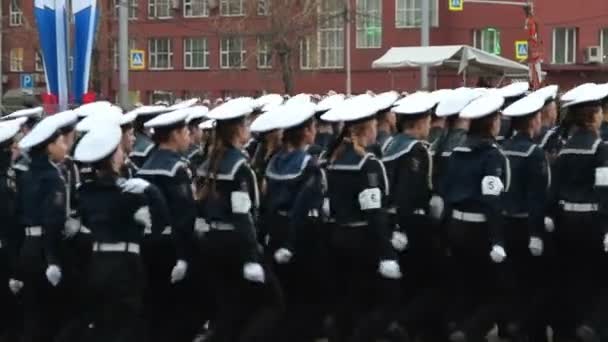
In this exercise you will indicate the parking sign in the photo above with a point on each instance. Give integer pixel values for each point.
(27, 81)
(137, 60)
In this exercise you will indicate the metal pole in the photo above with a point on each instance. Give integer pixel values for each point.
(123, 53)
(348, 52)
(424, 41)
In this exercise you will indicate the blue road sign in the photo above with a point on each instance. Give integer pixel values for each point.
(27, 81)
(521, 49)
(456, 5)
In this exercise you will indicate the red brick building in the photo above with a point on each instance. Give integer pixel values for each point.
(191, 49)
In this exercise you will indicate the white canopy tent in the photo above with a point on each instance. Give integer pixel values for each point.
(466, 60)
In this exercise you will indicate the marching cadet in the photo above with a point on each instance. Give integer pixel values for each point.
(194, 154)
(114, 211)
(246, 291)
(386, 121)
(409, 167)
(604, 127)
(549, 138)
(325, 131)
(168, 253)
(366, 265)
(511, 93)
(41, 261)
(270, 137)
(292, 203)
(143, 143)
(438, 128)
(580, 200)
(33, 116)
(525, 204)
(479, 174)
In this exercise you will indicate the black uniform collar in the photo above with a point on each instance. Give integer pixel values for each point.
(350, 159)
(583, 141)
(287, 165)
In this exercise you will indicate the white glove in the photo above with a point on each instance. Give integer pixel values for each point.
(399, 241)
(283, 255)
(436, 207)
(536, 246)
(135, 186)
(606, 243)
(71, 227)
(143, 217)
(179, 271)
(200, 226)
(389, 269)
(549, 225)
(254, 272)
(15, 285)
(498, 254)
(53, 274)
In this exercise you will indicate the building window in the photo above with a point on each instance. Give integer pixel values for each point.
(331, 34)
(39, 67)
(369, 24)
(409, 13)
(264, 53)
(196, 53)
(133, 7)
(16, 55)
(161, 56)
(159, 9)
(604, 44)
(564, 45)
(487, 40)
(308, 53)
(232, 53)
(263, 7)
(131, 47)
(196, 8)
(15, 12)
(232, 8)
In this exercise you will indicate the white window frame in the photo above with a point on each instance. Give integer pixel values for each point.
(189, 53)
(191, 4)
(226, 51)
(15, 14)
(309, 50)
(38, 62)
(481, 44)
(16, 61)
(568, 31)
(153, 6)
(264, 56)
(604, 47)
(133, 9)
(225, 6)
(366, 19)
(331, 30)
(132, 46)
(155, 54)
(263, 7)
(399, 11)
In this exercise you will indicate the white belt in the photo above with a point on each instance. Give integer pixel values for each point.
(579, 207)
(116, 247)
(166, 231)
(221, 226)
(393, 211)
(33, 231)
(356, 224)
(521, 215)
(468, 217)
(311, 213)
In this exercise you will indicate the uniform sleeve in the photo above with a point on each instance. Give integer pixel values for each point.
(495, 180)
(601, 185)
(159, 210)
(53, 216)
(372, 202)
(182, 207)
(244, 203)
(538, 178)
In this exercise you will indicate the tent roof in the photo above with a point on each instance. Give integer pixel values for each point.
(455, 57)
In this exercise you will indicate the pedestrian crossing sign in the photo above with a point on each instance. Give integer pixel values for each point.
(521, 49)
(137, 60)
(456, 5)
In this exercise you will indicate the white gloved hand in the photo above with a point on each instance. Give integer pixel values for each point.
(15, 285)
(53, 274)
(179, 271)
(606, 243)
(549, 225)
(536, 246)
(399, 241)
(254, 272)
(498, 254)
(282, 255)
(143, 217)
(200, 227)
(389, 269)
(71, 227)
(436, 207)
(135, 186)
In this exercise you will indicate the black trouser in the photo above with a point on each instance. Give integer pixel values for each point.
(247, 311)
(367, 302)
(116, 283)
(10, 310)
(474, 296)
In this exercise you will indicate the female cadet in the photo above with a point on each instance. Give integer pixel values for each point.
(292, 204)
(524, 207)
(409, 166)
(478, 174)
(270, 143)
(580, 200)
(386, 121)
(244, 289)
(367, 270)
(43, 197)
(195, 151)
(112, 210)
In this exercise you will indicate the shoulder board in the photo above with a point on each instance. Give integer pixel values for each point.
(229, 165)
(292, 171)
(352, 165)
(399, 146)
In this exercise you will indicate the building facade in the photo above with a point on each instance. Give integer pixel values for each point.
(212, 48)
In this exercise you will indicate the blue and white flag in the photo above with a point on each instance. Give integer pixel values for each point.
(85, 26)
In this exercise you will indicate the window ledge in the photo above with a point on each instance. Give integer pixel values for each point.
(197, 68)
(160, 69)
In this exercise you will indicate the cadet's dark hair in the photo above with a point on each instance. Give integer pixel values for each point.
(483, 127)
(583, 115)
(40, 149)
(162, 134)
(294, 136)
(408, 121)
(348, 136)
(103, 168)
